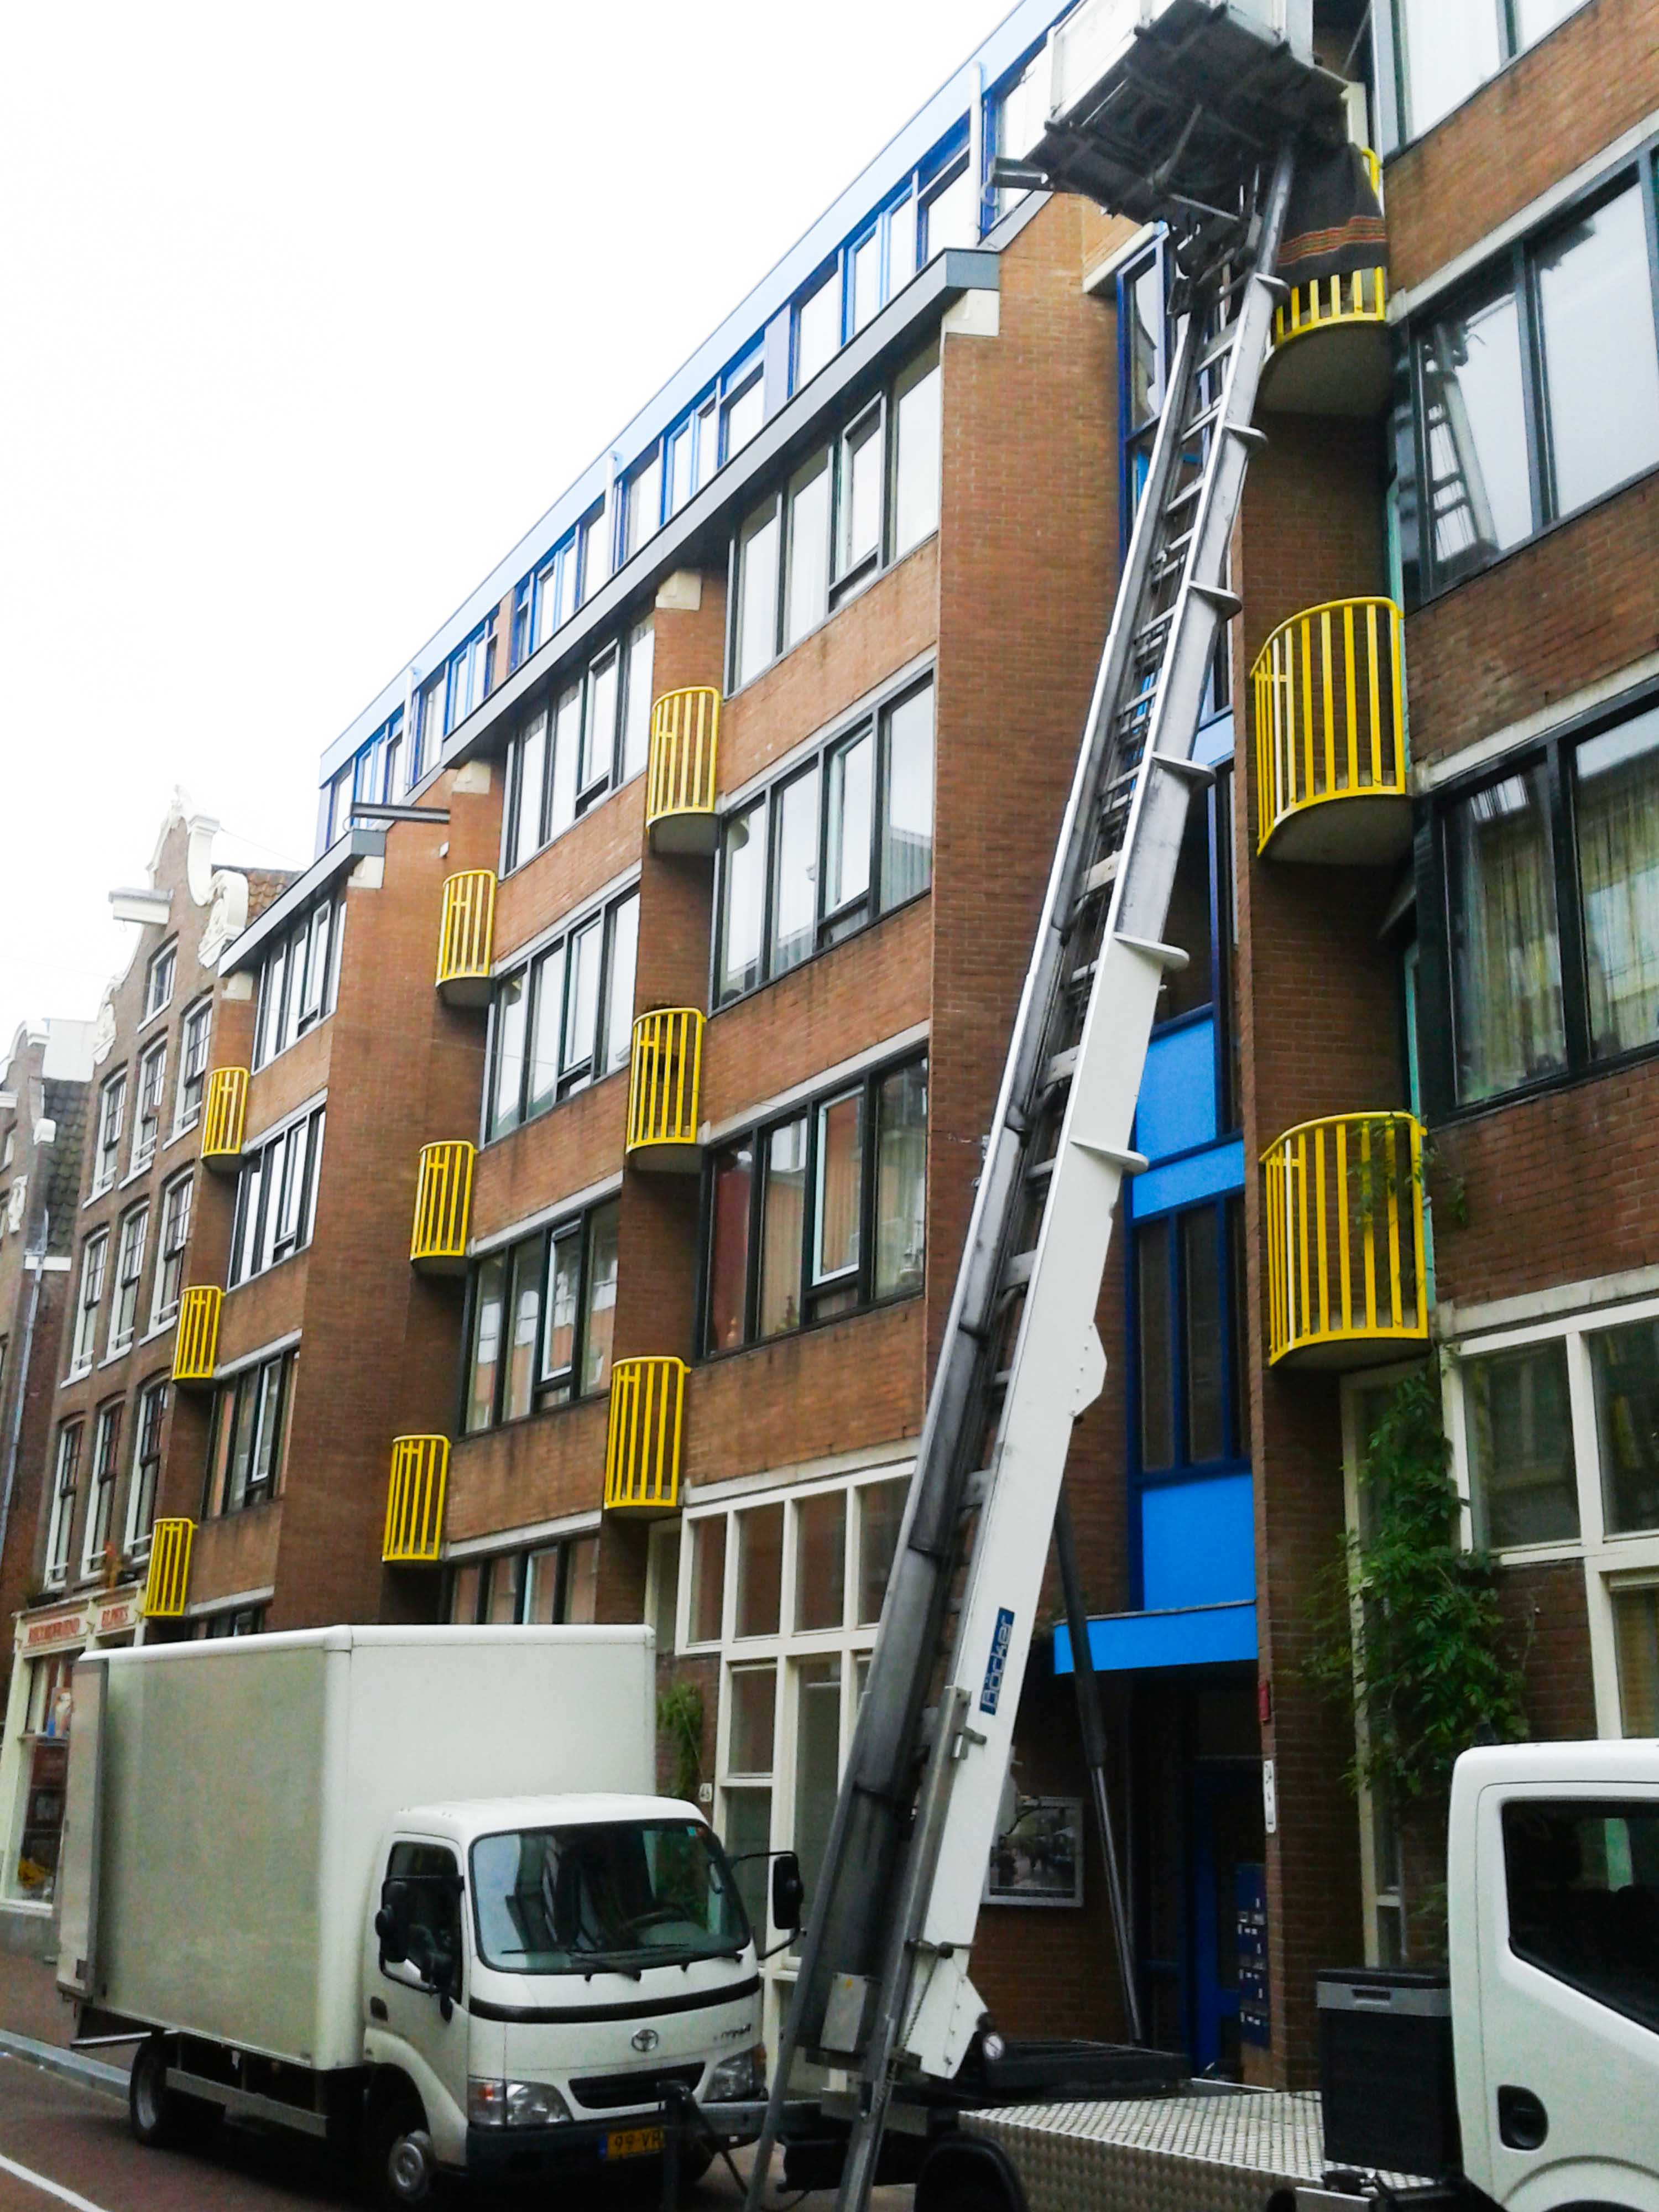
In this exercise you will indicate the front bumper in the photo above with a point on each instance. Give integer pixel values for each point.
(579, 2147)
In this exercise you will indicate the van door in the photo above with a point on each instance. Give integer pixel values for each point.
(1570, 1995)
(421, 1888)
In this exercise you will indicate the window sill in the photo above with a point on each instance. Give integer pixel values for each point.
(1548, 1086)
(809, 1328)
(264, 1273)
(98, 1191)
(156, 1328)
(1421, 602)
(260, 1067)
(595, 805)
(116, 1353)
(596, 1396)
(75, 1375)
(155, 1015)
(582, 1090)
(822, 952)
(185, 1129)
(850, 588)
(237, 1512)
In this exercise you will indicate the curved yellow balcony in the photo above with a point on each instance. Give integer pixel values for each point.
(1347, 371)
(168, 1580)
(443, 1200)
(196, 1346)
(1330, 736)
(221, 1120)
(414, 1500)
(1346, 1276)
(664, 1088)
(466, 936)
(679, 791)
(642, 1445)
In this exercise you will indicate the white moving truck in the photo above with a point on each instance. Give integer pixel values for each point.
(405, 1888)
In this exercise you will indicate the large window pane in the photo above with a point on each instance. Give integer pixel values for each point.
(1200, 1261)
(864, 280)
(1506, 958)
(846, 829)
(599, 1300)
(817, 1762)
(487, 1295)
(1520, 1435)
(567, 745)
(760, 1570)
(510, 1012)
(708, 1579)
(619, 987)
(743, 896)
(821, 1560)
(636, 707)
(523, 1329)
(901, 245)
(859, 527)
(1533, 18)
(907, 834)
(757, 593)
(751, 1719)
(549, 1014)
(782, 1214)
(795, 872)
(531, 765)
(901, 1181)
(747, 1830)
(840, 1183)
(950, 215)
(916, 458)
(1636, 1635)
(1618, 819)
(807, 597)
(1449, 46)
(563, 1290)
(728, 1261)
(817, 330)
(1625, 1364)
(1601, 369)
(1479, 494)
(599, 720)
(881, 1510)
(1156, 1373)
(582, 997)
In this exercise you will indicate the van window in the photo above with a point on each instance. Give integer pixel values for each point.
(433, 1899)
(1583, 1880)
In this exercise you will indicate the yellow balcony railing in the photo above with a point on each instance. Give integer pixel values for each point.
(679, 793)
(643, 1447)
(169, 1568)
(664, 1087)
(443, 1198)
(414, 1500)
(1347, 373)
(222, 1123)
(466, 937)
(196, 1346)
(1330, 735)
(1361, 296)
(1347, 1275)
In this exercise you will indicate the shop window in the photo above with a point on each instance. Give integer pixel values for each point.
(101, 1493)
(1624, 1362)
(1523, 1480)
(94, 1258)
(540, 1320)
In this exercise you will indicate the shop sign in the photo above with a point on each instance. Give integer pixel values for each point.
(114, 1613)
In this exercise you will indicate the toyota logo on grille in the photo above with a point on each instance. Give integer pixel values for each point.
(645, 2038)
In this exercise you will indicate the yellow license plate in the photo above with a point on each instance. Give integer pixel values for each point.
(633, 2142)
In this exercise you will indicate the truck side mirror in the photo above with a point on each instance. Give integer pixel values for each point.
(392, 1922)
(788, 1891)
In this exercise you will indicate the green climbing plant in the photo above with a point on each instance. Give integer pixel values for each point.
(1409, 1633)
(680, 1718)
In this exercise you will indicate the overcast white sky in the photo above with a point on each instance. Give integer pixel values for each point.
(309, 313)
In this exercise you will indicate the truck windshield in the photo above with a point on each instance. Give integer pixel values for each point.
(628, 1893)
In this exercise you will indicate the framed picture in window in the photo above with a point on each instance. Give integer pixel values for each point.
(1038, 1856)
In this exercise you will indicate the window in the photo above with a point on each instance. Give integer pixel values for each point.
(594, 735)
(1551, 916)
(828, 847)
(158, 980)
(1636, 1640)
(1522, 1479)
(540, 1319)
(111, 1118)
(1537, 391)
(593, 554)
(547, 1585)
(236, 1620)
(1021, 112)
(870, 498)
(552, 592)
(864, 282)
(146, 1465)
(644, 503)
(1624, 1362)
(565, 1019)
(129, 1268)
(100, 1498)
(194, 1034)
(1188, 1291)
(1581, 1877)
(817, 329)
(277, 1198)
(950, 212)
(247, 1447)
(62, 1519)
(818, 1213)
(147, 1117)
(742, 412)
(93, 1258)
(299, 980)
(1446, 52)
(176, 1204)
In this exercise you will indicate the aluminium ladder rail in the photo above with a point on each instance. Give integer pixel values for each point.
(883, 1984)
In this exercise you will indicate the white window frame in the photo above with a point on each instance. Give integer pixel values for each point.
(105, 1418)
(161, 1308)
(60, 1525)
(83, 1347)
(136, 1539)
(152, 1078)
(161, 980)
(132, 1236)
(112, 1123)
(197, 1023)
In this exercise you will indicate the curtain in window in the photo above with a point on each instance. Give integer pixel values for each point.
(782, 1210)
(840, 1161)
(901, 1181)
(1636, 1632)
(1619, 869)
(1506, 955)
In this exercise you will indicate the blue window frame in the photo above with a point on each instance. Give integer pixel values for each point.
(1187, 1323)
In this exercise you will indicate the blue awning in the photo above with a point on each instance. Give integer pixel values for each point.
(1193, 1636)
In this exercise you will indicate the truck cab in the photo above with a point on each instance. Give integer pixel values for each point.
(537, 1974)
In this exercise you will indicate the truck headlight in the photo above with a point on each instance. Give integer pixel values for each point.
(735, 2080)
(514, 2104)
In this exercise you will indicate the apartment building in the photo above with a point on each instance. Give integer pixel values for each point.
(599, 1113)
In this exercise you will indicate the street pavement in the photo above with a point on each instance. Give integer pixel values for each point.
(64, 2142)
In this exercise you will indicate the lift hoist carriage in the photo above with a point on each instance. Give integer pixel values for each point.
(1189, 113)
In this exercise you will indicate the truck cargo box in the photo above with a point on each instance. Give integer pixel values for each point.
(225, 1799)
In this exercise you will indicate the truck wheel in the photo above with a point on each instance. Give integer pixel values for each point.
(398, 2166)
(162, 2119)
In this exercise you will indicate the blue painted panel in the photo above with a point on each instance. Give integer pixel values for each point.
(1210, 1636)
(1176, 1109)
(1184, 1182)
(1197, 1543)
